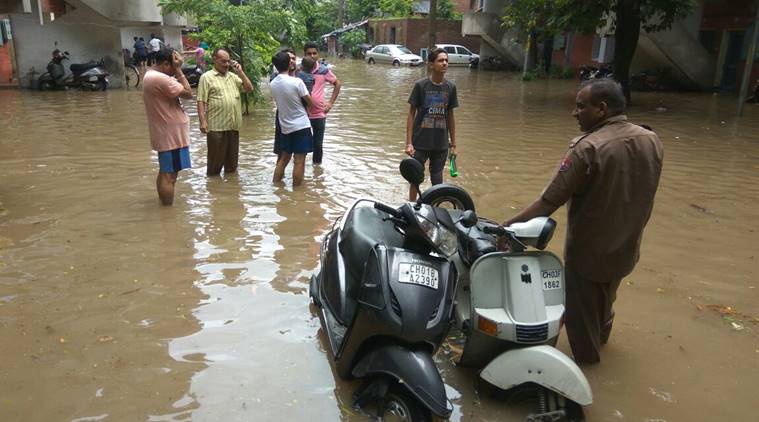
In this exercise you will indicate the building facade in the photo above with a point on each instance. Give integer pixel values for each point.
(87, 29)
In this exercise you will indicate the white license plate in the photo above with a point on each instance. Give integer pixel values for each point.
(551, 279)
(422, 275)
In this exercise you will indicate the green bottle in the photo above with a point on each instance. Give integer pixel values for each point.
(452, 165)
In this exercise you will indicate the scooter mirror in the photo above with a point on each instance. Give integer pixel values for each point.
(468, 219)
(413, 171)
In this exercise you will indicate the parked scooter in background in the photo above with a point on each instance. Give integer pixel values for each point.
(192, 72)
(91, 75)
(384, 296)
(591, 72)
(510, 307)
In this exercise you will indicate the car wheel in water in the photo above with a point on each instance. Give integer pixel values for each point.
(400, 405)
(102, 85)
(396, 63)
(370, 61)
(448, 196)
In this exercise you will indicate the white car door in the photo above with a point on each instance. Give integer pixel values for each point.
(452, 55)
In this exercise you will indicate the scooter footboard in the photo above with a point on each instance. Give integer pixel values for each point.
(414, 368)
(543, 365)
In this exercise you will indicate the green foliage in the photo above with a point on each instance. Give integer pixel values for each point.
(352, 39)
(445, 10)
(395, 8)
(550, 17)
(252, 31)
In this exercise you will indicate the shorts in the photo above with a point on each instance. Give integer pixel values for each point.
(174, 160)
(298, 142)
(437, 163)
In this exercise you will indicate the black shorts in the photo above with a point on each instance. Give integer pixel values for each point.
(437, 163)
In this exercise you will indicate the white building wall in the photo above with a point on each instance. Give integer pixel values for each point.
(84, 34)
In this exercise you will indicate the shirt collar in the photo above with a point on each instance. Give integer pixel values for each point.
(610, 120)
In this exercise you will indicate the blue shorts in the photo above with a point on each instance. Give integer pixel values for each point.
(174, 160)
(298, 142)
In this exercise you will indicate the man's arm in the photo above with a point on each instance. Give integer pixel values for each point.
(247, 85)
(335, 92)
(451, 129)
(410, 130)
(539, 208)
(308, 100)
(177, 62)
(202, 117)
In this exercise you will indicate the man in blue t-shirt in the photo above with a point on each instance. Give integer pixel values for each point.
(430, 121)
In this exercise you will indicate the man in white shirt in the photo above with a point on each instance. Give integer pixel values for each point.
(290, 94)
(155, 46)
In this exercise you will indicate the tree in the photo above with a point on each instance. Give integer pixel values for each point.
(627, 18)
(253, 30)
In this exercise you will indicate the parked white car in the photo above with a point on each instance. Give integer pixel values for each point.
(392, 53)
(458, 54)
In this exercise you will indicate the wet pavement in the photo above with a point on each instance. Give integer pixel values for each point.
(113, 308)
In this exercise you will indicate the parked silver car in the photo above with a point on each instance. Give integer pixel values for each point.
(458, 54)
(392, 53)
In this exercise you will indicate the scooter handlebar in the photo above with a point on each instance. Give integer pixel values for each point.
(496, 230)
(382, 207)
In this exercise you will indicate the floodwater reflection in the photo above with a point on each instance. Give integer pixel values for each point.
(114, 308)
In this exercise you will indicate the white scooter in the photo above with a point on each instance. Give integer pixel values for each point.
(510, 307)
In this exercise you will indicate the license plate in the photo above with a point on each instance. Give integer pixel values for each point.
(551, 279)
(422, 275)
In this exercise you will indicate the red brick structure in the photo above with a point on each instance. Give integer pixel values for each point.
(413, 33)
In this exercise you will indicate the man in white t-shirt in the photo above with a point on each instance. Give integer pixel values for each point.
(154, 46)
(290, 94)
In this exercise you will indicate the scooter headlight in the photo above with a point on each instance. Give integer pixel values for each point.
(443, 239)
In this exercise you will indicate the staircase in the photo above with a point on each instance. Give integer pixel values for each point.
(487, 26)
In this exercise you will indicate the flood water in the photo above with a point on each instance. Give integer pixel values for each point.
(113, 308)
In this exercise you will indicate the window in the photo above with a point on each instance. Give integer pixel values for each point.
(464, 51)
(450, 50)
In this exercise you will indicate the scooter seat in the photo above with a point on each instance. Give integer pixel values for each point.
(362, 231)
(81, 67)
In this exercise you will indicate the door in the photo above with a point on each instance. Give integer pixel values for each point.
(452, 55)
(732, 58)
(464, 54)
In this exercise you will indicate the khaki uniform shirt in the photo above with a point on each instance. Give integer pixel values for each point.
(609, 176)
(221, 94)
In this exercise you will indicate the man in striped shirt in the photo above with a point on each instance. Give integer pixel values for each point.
(220, 111)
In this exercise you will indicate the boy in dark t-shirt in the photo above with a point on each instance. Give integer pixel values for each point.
(430, 121)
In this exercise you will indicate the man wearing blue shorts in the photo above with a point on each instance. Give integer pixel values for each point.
(289, 92)
(168, 123)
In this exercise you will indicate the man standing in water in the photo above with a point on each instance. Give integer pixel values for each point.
(289, 93)
(609, 177)
(430, 119)
(220, 111)
(318, 112)
(168, 123)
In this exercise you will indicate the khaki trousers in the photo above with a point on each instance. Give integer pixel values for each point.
(589, 314)
(223, 151)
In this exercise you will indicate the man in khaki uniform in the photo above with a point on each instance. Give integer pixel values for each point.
(220, 111)
(609, 178)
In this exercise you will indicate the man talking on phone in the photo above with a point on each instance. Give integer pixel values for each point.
(220, 111)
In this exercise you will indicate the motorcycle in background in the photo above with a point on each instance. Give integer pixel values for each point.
(91, 75)
(192, 72)
(588, 72)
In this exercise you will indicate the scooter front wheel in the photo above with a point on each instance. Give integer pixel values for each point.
(400, 405)
(555, 407)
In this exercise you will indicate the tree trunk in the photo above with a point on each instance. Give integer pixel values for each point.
(433, 25)
(626, 41)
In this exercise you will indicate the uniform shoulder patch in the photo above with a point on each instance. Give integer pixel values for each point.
(566, 163)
